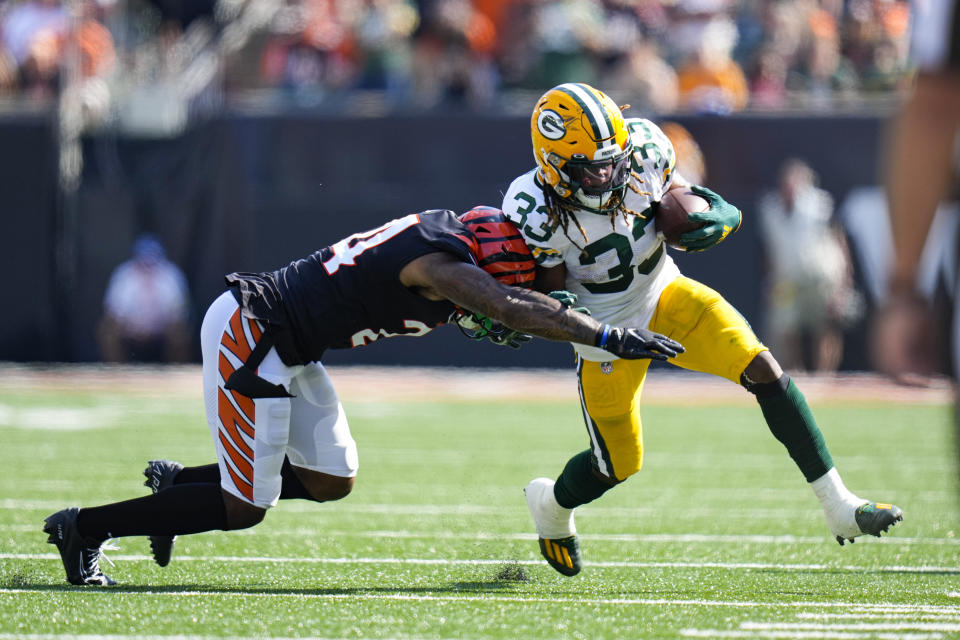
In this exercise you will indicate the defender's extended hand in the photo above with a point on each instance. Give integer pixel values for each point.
(633, 344)
(568, 299)
(722, 219)
(477, 326)
(510, 338)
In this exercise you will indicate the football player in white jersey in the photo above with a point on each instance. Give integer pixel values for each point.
(586, 212)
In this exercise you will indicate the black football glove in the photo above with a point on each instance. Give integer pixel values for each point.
(633, 343)
(477, 327)
(509, 338)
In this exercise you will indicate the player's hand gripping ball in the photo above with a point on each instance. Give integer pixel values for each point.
(672, 218)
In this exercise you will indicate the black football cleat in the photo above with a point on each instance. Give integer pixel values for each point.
(160, 475)
(563, 555)
(875, 518)
(81, 562)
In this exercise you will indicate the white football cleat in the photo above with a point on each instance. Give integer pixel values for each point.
(555, 528)
(849, 516)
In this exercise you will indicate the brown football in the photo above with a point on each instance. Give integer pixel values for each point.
(672, 214)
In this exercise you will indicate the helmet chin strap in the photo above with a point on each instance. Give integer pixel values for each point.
(593, 204)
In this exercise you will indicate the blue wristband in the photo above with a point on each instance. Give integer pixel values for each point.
(603, 336)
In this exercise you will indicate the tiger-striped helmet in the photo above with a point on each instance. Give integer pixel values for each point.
(498, 247)
(582, 147)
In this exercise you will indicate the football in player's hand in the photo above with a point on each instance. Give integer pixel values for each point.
(672, 217)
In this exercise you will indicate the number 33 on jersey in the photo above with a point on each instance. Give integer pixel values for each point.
(610, 262)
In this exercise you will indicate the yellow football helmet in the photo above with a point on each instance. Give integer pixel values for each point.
(582, 147)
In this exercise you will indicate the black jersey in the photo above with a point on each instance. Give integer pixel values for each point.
(349, 294)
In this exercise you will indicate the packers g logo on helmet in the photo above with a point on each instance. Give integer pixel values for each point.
(582, 147)
(551, 125)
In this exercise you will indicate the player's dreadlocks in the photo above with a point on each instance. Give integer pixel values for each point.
(561, 211)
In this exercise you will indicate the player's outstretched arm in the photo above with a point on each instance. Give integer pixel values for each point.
(633, 344)
(442, 276)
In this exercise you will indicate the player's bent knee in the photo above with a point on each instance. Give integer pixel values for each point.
(240, 514)
(763, 369)
(324, 487)
(333, 488)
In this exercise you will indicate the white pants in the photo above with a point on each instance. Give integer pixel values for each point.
(252, 436)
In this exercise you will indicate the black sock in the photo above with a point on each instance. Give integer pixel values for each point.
(180, 509)
(203, 473)
(291, 487)
(580, 483)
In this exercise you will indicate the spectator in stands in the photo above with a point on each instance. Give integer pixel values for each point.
(8, 72)
(146, 308)
(33, 33)
(647, 78)
(768, 82)
(454, 64)
(810, 297)
(384, 47)
(314, 50)
(455, 52)
(567, 37)
(516, 51)
(887, 71)
(824, 76)
(712, 81)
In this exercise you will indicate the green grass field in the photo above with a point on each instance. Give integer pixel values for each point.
(717, 537)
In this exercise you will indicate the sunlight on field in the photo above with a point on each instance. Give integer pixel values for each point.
(717, 537)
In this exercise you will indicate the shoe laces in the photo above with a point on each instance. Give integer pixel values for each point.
(92, 555)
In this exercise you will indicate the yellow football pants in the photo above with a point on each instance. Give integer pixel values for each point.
(717, 339)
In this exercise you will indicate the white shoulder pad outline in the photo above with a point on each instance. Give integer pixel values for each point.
(524, 206)
(653, 152)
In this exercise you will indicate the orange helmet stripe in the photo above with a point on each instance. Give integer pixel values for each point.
(498, 247)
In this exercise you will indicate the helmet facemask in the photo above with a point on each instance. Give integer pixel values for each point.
(598, 185)
(583, 149)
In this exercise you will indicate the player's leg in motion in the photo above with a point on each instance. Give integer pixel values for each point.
(251, 453)
(309, 427)
(609, 397)
(719, 341)
(187, 508)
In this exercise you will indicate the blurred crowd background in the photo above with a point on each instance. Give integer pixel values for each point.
(153, 63)
(172, 141)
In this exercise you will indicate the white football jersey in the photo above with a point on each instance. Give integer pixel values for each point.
(617, 270)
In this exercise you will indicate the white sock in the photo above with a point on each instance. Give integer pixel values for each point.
(553, 521)
(839, 504)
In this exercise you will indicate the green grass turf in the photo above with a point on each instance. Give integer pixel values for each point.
(718, 536)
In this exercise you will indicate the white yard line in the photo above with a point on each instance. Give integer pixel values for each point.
(640, 538)
(115, 636)
(807, 635)
(858, 626)
(706, 633)
(926, 625)
(927, 617)
(557, 601)
(614, 564)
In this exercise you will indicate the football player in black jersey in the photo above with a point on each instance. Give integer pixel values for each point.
(276, 421)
